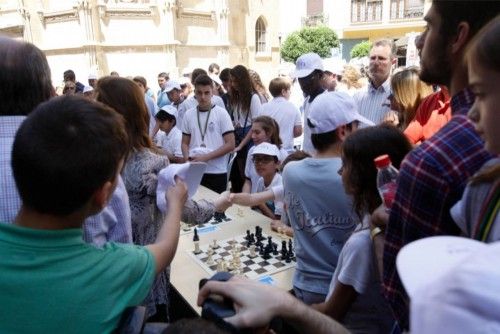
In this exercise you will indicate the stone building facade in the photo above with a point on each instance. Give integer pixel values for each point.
(145, 37)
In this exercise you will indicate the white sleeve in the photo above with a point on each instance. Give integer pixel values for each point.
(185, 124)
(217, 100)
(260, 185)
(226, 125)
(255, 107)
(178, 145)
(279, 193)
(248, 165)
(357, 261)
(298, 117)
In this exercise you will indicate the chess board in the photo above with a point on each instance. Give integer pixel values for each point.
(213, 222)
(252, 268)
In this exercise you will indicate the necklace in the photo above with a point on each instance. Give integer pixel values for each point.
(204, 132)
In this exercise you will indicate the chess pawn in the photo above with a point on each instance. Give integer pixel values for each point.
(214, 244)
(210, 260)
(219, 265)
(252, 251)
(197, 249)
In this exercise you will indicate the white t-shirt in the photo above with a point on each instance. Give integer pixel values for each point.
(255, 109)
(219, 124)
(286, 115)
(251, 173)
(369, 313)
(171, 143)
(191, 102)
(276, 182)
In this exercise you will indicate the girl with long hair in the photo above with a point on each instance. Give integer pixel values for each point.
(354, 297)
(245, 107)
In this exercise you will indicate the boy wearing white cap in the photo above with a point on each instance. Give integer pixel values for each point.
(174, 90)
(170, 139)
(265, 157)
(309, 71)
(318, 208)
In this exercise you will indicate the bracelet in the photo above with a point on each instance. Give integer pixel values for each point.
(376, 231)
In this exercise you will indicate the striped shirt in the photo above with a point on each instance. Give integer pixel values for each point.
(111, 224)
(431, 179)
(373, 102)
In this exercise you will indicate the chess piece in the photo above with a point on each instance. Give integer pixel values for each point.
(267, 255)
(195, 236)
(275, 249)
(283, 248)
(290, 247)
(219, 265)
(186, 227)
(210, 260)
(247, 237)
(240, 212)
(214, 244)
(261, 249)
(197, 249)
(288, 257)
(252, 251)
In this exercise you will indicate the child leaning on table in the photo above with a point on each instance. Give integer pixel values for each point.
(354, 296)
(274, 193)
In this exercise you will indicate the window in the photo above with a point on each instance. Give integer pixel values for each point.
(260, 35)
(407, 9)
(366, 11)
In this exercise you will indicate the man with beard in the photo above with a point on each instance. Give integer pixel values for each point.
(433, 176)
(309, 71)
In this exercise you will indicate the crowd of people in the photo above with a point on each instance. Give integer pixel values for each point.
(82, 238)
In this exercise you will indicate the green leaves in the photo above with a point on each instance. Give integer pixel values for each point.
(310, 39)
(361, 49)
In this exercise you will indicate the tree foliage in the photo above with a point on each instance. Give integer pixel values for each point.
(361, 49)
(310, 39)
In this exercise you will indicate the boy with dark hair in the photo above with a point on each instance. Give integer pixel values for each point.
(170, 139)
(283, 112)
(319, 210)
(69, 75)
(162, 98)
(51, 280)
(208, 135)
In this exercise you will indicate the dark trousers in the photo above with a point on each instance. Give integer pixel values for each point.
(215, 182)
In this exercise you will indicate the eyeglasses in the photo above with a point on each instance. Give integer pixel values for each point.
(262, 160)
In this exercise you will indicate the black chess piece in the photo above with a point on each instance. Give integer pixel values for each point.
(288, 257)
(275, 248)
(290, 246)
(218, 217)
(267, 253)
(195, 236)
(283, 248)
(252, 238)
(261, 248)
(247, 237)
(270, 241)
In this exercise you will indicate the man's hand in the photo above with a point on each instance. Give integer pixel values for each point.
(199, 158)
(255, 303)
(222, 202)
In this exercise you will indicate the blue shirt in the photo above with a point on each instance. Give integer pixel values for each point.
(322, 219)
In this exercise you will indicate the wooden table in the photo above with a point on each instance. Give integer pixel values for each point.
(186, 273)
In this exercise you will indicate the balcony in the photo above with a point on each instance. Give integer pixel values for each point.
(366, 11)
(407, 9)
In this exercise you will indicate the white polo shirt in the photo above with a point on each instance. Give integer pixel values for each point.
(191, 102)
(219, 124)
(287, 115)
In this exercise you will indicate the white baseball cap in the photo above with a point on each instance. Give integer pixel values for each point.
(330, 110)
(306, 64)
(189, 172)
(266, 149)
(170, 110)
(333, 67)
(92, 76)
(453, 284)
(87, 89)
(172, 84)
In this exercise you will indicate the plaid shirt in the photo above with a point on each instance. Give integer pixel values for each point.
(432, 178)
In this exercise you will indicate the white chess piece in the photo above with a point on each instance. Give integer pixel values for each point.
(210, 253)
(197, 249)
(219, 265)
(252, 251)
(214, 245)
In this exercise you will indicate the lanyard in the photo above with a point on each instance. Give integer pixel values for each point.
(204, 132)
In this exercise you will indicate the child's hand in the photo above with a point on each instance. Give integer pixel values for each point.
(178, 193)
(222, 202)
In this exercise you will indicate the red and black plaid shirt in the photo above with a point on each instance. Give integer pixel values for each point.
(431, 179)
